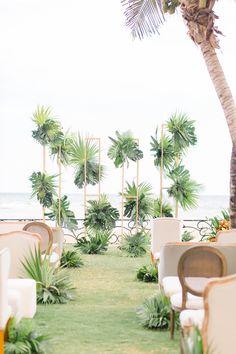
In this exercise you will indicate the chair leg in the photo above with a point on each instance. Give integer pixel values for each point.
(172, 324)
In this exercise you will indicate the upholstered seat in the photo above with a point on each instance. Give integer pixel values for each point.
(27, 289)
(171, 286)
(190, 318)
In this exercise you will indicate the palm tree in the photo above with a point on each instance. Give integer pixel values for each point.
(144, 18)
(83, 156)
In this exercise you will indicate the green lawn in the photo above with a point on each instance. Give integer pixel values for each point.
(102, 317)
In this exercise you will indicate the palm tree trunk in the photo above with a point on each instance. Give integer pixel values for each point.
(228, 105)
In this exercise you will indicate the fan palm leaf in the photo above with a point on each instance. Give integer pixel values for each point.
(85, 153)
(60, 148)
(183, 189)
(182, 131)
(124, 148)
(48, 127)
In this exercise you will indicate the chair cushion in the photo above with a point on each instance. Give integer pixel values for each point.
(189, 318)
(193, 302)
(27, 289)
(171, 286)
(15, 302)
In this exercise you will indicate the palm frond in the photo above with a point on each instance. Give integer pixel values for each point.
(143, 17)
(61, 146)
(166, 144)
(43, 187)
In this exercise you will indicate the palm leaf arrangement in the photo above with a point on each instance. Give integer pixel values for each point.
(123, 149)
(61, 147)
(48, 128)
(167, 209)
(95, 242)
(53, 284)
(43, 187)
(163, 147)
(21, 339)
(100, 214)
(135, 245)
(65, 217)
(71, 259)
(84, 155)
(145, 202)
(183, 188)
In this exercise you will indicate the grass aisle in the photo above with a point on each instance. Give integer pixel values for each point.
(102, 318)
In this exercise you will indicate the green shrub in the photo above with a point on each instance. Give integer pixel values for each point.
(135, 245)
(192, 343)
(155, 312)
(53, 284)
(148, 274)
(71, 259)
(21, 339)
(187, 236)
(94, 243)
(167, 209)
(101, 215)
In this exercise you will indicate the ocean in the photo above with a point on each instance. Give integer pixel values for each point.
(22, 206)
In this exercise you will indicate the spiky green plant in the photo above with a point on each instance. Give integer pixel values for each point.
(145, 202)
(43, 187)
(183, 189)
(135, 245)
(155, 312)
(164, 144)
(182, 132)
(71, 259)
(167, 209)
(21, 339)
(53, 284)
(85, 153)
(123, 149)
(48, 127)
(100, 214)
(191, 343)
(95, 242)
(148, 274)
(66, 217)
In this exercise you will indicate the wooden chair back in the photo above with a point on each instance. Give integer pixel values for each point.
(196, 266)
(44, 231)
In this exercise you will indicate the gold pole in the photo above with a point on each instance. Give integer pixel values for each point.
(177, 161)
(122, 200)
(137, 193)
(59, 186)
(44, 171)
(85, 180)
(161, 170)
(99, 171)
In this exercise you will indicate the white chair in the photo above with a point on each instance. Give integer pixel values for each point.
(20, 244)
(226, 236)
(164, 230)
(217, 320)
(10, 300)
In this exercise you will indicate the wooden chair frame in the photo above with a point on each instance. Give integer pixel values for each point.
(45, 227)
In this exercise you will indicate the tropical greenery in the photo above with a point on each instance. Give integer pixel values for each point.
(144, 18)
(95, 242)
(167, 209)
(100, 215)
(71, 259)
(183, 189)
(135, 245)
(53, 284)
(43, 187)
(163, 148)
(102, 318)
(192, 342)
(148, 274)
(21, 339)
(145, 201)
(60, 148)
(187, 236)
(219, 223)
(155, 312)
(123, 149)
(84, 155)
(48, 128)
(64, 216)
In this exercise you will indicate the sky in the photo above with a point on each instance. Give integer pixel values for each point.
(79, 58)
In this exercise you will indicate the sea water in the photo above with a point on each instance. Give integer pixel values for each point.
(22, 206)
